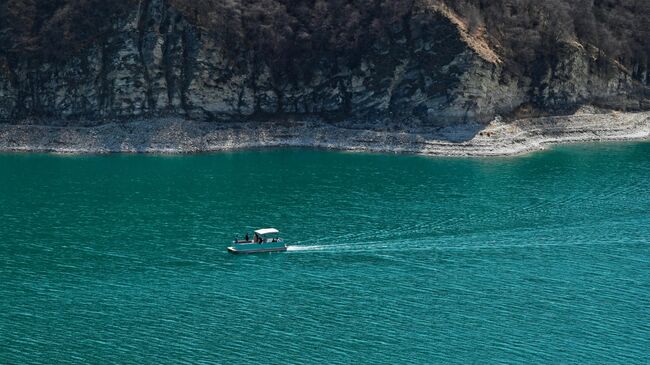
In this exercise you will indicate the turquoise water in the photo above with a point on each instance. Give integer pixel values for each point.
(542, 258)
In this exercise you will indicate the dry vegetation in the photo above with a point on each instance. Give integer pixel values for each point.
(532, 33)
(527, 34)
(55, 29)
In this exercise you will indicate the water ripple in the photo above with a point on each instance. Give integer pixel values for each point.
(391, 259)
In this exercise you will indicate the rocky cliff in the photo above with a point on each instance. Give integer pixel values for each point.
(432, 71)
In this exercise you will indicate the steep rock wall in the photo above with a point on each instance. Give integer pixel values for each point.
(155, 63)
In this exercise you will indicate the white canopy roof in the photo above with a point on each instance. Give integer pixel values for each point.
(263, 231)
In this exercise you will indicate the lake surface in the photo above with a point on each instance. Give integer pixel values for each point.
(542, 258)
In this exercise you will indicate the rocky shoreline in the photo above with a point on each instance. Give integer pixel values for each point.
(175, 135)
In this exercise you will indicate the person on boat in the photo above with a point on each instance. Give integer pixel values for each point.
(246, 238)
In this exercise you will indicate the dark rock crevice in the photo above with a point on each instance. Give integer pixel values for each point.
(143, 18)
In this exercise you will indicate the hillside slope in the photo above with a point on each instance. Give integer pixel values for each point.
(371, 63)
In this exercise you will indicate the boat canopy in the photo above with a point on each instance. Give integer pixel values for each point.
(263, 231)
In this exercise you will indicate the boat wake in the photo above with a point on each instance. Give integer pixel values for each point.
(305, 248)
(342, 247)
(442, 244)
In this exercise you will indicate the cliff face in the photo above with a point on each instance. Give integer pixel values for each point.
(433, 71)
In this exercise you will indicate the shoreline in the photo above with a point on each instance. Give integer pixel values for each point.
(179, 136)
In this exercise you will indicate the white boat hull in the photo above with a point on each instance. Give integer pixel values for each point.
(246, 248)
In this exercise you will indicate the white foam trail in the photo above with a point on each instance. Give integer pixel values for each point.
(304, 248)
(339, 247)
(427, 245)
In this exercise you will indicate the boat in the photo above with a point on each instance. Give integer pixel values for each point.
(264, 240)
